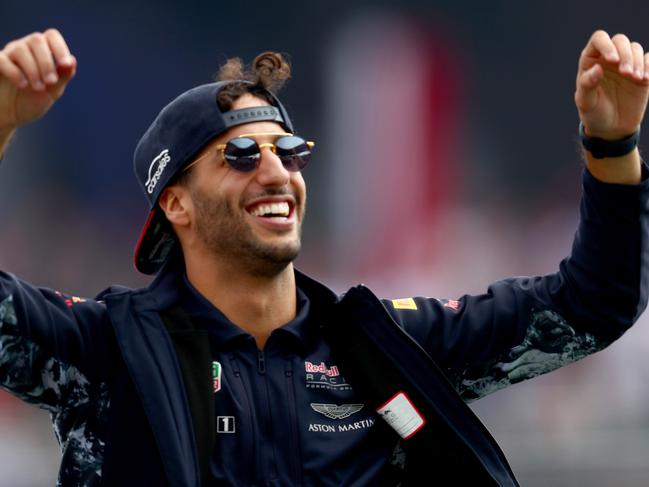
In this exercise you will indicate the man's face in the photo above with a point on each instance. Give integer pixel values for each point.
(253, 219)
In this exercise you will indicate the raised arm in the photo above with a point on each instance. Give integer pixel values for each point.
(526, 326)
(34, 71)
(611, 97)
(45, 342)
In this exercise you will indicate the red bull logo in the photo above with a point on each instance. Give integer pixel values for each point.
(321, 368)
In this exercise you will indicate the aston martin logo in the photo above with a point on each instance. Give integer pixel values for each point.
(333, 411)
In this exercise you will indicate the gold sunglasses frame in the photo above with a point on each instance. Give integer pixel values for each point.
(221, 147)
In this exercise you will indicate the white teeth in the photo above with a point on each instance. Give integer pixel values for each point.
(276, 209)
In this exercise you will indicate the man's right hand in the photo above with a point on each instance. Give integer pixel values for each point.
(34, 71)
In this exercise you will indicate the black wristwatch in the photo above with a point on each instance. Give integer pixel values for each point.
(600, 148)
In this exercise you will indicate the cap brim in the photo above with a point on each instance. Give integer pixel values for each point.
(156, 242)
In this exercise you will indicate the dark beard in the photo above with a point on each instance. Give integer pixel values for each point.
(227, 235)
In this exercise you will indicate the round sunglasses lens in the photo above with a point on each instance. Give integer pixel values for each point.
(293, 151)
(242, 154)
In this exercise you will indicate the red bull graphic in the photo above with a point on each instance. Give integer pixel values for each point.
(322, 369)
(319, 376)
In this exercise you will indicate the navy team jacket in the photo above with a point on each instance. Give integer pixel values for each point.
(111, 377)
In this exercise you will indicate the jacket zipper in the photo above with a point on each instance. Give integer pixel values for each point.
(293, 423)
(252, 471)
(266, 422)
(261, 362)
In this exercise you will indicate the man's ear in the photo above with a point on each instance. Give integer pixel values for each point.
(176, 204)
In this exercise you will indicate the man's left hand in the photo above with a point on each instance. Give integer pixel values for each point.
(612, 86)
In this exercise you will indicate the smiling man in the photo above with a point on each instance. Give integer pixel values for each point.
(234, 369)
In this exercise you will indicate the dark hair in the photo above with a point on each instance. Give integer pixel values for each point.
(267, 72)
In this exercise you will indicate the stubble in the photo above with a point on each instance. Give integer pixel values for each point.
(225, 232)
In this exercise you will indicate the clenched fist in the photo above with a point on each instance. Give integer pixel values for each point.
(34, 71)
(612, 86)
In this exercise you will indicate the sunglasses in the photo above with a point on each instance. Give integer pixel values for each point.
(243, 153)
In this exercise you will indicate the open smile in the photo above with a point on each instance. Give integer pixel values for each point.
(275, 212)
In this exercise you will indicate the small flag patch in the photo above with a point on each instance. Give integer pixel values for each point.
(453, 304)
(404, 303)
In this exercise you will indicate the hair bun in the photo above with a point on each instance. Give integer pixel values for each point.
(270, 70)
(267, 73)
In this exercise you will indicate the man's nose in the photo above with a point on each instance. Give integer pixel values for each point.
(271, 171)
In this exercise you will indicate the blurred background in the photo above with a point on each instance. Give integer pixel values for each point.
(446, 159)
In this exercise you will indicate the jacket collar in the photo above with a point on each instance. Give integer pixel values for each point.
(165, 291)
(151, 361)
(313, 298)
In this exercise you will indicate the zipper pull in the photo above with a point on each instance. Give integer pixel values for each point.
(288, 367)
(261, 362)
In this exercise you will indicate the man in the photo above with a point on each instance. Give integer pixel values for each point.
(232, 368)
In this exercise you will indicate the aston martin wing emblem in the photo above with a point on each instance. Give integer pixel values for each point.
(333, 411)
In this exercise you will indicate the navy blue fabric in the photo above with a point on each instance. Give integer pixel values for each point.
(107, 372)
(269, 396)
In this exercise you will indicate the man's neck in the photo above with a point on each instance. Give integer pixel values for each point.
(257, 304)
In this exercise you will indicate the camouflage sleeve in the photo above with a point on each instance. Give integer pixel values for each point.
(523, 327)
(46, 345)
(549, 343)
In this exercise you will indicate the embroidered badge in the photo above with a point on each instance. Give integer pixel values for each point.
(225, 424)
(400, 413)
(404, 303)
(70, 300)
(216, 376)
(320, 376)
(335, 411)
(453, 304)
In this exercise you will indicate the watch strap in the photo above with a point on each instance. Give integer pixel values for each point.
(601, 148)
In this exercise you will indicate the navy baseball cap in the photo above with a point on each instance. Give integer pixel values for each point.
(173, 140)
